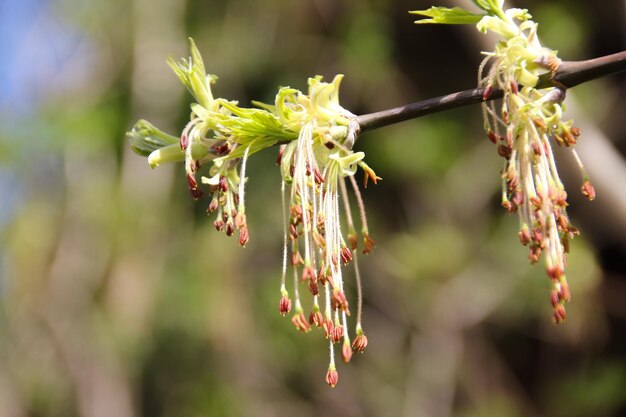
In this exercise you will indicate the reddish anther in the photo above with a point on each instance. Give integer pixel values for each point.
(359, 343)
(284, 305)
(332, 377)
(346, 352)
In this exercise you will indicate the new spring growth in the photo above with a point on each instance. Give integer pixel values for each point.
(523, 127)
(316, 160)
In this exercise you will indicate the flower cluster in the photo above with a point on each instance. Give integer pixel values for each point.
(316, 160)
(521, 128)
(314, 167)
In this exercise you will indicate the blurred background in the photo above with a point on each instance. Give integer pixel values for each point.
(118, 299)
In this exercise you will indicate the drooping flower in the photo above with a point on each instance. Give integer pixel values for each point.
(528, 119)
(315, 159)
(314, 168)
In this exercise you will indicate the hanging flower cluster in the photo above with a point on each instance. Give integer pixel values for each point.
(521, 128)
(315, 158)
(315, 167)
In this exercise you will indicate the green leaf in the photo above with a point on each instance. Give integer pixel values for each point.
(454, 16)
(145, 138)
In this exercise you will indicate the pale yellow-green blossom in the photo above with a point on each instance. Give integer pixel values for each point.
(316, 135)
(522, 127)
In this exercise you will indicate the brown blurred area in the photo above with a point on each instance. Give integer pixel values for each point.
(118, 299)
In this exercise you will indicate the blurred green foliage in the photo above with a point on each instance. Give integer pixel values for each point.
(118, 299)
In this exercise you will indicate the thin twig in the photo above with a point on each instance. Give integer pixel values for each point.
(569, 74)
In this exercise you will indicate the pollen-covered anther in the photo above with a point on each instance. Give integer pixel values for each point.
(369, 175)
(517, 197)
(509, 206)
(487, 92)
(281, 153)
(328, 327)
(296, 259)
(534, 253)
(561, 198)
(316, 318)
(338, 301)
(308, 273)
(554, 298)
(492, 136)
(346, 255)
(223, 184)
(524, 235)
(559, 315)
(360, 342)
(324, 277)
(504, 151)
(554, 272)
(319, 178)
(536, 201)
(539, 123)
(184, 141)
(514, 88)
(293, 232)
(313, 286)
(244, 235)
(536, 148)
(352, 241)
(332, 376)
(219, 225)
(512, 181)
(570, 139)
(213, 205)
(240, 220)
(563, 222)
(196, 193)
(346, 351)
(564, 291)
(337, 334)
(221, 148)
(559, 139)
(588, 190)
(318, 239)
(300, 322)
(284, 305)
(368, 243)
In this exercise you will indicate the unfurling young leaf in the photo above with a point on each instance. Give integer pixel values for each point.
(445, 15)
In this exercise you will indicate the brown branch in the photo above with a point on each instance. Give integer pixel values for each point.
(569, 74)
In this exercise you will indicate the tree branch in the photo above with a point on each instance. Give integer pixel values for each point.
(569, 74)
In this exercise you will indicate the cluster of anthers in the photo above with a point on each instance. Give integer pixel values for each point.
(521, 128)
(315, 167)
(316, 160)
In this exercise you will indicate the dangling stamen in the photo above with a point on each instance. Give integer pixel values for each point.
(284, 305)
(242, 180)
(367, 240)
(285, 223)
(346, 349)
(332, 377)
